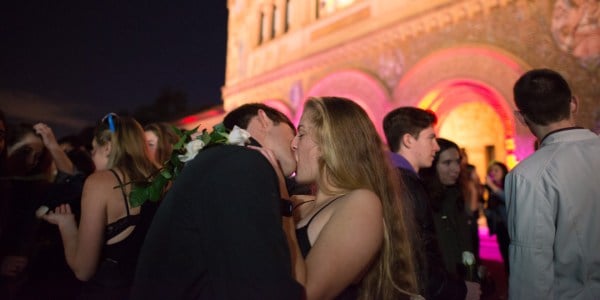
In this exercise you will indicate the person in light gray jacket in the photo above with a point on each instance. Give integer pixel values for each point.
(553, 197)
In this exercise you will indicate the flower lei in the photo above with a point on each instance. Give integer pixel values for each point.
(184, 151)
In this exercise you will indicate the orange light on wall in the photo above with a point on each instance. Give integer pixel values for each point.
(511, 158)
(430, 100)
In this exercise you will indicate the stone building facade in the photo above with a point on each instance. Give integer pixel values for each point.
(459, 58)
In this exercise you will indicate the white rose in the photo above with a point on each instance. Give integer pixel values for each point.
(468, 258)
(41, 211)
(191, 149)
(238, 136)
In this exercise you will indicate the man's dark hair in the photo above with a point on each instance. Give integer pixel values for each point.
(403, 120)
(543, 96)
(242, 115)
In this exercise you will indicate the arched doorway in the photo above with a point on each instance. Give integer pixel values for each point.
(470, 89)
(476, 117)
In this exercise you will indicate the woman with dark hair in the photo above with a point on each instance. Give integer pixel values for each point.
(496, 208)
(23, 182)
(160, 139)
(447, 202)
(102, 250)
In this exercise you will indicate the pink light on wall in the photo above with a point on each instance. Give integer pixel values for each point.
(359, 86)
(481, 70)
(280, 106)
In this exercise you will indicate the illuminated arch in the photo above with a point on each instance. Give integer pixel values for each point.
(364, 89)
(480, 70)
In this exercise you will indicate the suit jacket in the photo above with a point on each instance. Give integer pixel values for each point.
(218, 233)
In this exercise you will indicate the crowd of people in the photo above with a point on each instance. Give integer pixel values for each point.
(324, 210)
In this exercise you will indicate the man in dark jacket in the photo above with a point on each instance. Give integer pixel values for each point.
(411, 138)
(218, 232)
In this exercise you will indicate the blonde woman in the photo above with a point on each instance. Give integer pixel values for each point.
(351, 241)
(103, 249)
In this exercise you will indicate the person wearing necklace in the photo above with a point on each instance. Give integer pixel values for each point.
(552, 196)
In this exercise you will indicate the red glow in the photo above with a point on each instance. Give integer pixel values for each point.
(189, 120)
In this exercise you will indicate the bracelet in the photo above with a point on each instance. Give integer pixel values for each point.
(286, 208)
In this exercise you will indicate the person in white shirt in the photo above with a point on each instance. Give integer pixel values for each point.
(553, 197)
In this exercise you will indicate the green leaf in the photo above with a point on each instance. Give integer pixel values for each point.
(177, 130)
(137, 197)
(166, 174)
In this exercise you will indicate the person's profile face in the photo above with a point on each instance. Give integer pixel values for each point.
(448, 166)
(426, 147)
(279, 140)
(151, 143)
(307, 151)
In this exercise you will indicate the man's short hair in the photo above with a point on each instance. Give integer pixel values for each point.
(543, 96)
(242, 115)
(403, 120)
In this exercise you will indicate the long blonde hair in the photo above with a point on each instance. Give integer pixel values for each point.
(353, 157)
(128, 148)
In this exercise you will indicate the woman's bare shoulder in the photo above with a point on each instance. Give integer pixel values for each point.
(363, 197)
(103, 180)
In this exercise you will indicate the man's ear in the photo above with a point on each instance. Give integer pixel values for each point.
(106, 149)
(574, 105)
(407, 140)
(264, 120)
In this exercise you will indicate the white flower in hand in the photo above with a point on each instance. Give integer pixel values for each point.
(469, 261)
(41, 211)
(238, 136)
(468, 258)
(191, 149)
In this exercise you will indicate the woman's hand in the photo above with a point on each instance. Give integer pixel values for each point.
(47, 135)
(61, 216)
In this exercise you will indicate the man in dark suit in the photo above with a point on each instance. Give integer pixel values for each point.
(218, 232)
(411, 137)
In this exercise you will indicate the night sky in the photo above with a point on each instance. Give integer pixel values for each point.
(69, 63)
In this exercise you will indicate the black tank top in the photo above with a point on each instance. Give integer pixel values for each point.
(351, 292)
(116, 269)
(113, 229)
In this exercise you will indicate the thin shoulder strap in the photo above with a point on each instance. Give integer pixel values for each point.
(320, 209)
(122, 190)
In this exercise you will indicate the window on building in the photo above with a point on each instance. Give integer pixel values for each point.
(274, 22)
(288, 14)
(261, 34)
(328, 7)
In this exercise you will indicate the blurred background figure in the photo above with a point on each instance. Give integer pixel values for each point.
(24, 184)
(495, 212)
(160, 139)
(471, 185)
(447, 196)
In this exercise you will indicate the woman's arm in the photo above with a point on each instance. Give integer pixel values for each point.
(344, 245)
(83, 245)
(346, 240)
(62, 161)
